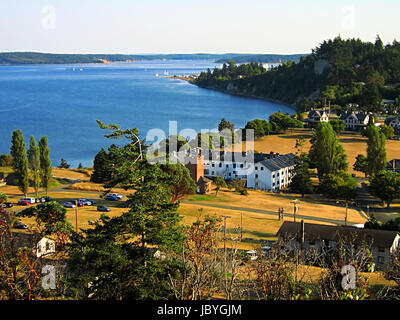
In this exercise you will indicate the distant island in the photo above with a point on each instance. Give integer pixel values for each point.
(23, 58)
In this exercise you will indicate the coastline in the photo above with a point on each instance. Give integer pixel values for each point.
(191, 80)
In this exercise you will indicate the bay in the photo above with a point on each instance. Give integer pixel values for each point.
(63, 102)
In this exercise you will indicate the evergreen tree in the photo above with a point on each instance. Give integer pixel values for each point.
(301, 181)
(34, 163)
(64, 164)
(219, 183)
(376, 150)
(45, 163)
(386, 186)
(20, 162)
(100, 167)
(361, 164)
(326, 153)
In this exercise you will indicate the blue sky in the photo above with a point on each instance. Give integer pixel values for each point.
(188, 26)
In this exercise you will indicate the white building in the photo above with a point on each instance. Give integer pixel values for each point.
(261, 171)
(355, 120)
(315, 117)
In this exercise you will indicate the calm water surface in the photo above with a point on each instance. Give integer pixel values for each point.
(62, 102)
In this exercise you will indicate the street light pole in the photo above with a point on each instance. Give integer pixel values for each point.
(76, 216)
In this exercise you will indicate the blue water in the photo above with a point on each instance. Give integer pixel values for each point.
(62, 104)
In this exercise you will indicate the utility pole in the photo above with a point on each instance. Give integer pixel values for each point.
(76, 216)
(295, 209)
(225, 217)
(241, 226)
(345, 219)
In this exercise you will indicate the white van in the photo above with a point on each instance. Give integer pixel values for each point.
(30, 200)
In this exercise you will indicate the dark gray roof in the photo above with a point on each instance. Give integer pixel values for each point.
(279, 162)
(359, 116)
(240, 156)
(377, 238)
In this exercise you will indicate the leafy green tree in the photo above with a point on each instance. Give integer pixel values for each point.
(49, 217)
(376, 150)
(34, 163)
(80, 165)
(225, 124)
(388, 131)
(386, 186)
(338, 125)
(64, 164)
(3, 198)
(182, 183)
(219, 183)
(361, 164)
(45, 163)
(5, 160)
(261, 127)
(281, 122)
(339, 186)
(326, 153)
(20, 162)
(301, 181)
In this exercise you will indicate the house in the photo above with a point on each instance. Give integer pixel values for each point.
(394, 165)
(393, 122)
(322, 238)
(355, 120)
(261, 171)
(315, 117)
(41, 246)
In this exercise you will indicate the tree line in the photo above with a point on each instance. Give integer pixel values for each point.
(32, 165)
(338, 71)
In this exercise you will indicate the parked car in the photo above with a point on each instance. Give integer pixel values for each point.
(7, 205)
(116, 195)
(30, 200)
(47, 199)
(69, 205)
(103, 209)
(40, 200)
(19, 225)
(111, 197)
(23, 203)
(85, 202)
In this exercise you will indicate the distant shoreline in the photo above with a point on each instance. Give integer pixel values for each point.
(191, 80)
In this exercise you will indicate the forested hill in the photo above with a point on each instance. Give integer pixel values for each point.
(17, 58)
(262, 58)
(341, 71)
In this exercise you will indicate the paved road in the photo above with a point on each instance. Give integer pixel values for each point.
(268, 212)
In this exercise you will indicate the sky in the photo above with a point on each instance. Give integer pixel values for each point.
(191, 26)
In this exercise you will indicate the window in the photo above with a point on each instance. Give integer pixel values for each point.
(213, 173)
(206, 171)
(381, 260)
(227, 165)
(256, 168)
(273, 176)
(381, 249)
(213, 165)
(230, 174)
(234, 166)
(262, 168)
(241, 165)
(256, 176)
(220, 165)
